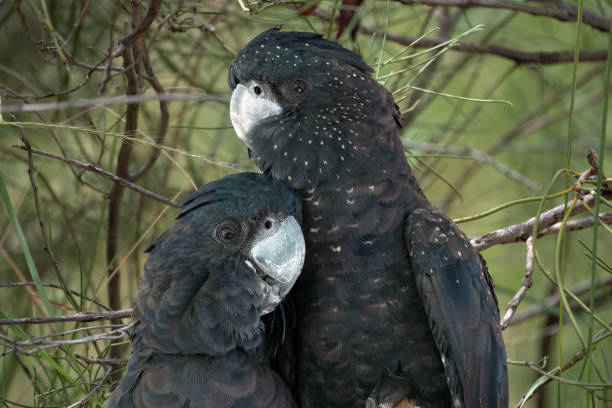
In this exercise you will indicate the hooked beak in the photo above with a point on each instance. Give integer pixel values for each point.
(247, 109)
(280, 256)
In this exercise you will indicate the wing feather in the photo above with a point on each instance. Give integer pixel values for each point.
(459, 299)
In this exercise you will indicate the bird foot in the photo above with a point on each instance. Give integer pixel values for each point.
(406, 403)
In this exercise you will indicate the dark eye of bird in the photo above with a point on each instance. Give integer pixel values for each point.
(257, 90)
(227, 231)
(268, 224)
(299, 86)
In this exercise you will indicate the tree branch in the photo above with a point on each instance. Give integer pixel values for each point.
(569, 13)
(163, 120)
(105, 174)
(522, 231)
(78, 317)
(54, 286)
(43, 233)
(525, 285)
(520, 57)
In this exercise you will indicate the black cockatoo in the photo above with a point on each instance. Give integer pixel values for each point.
(233, 254)
(393, 303)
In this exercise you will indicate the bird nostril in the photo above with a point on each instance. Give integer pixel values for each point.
(257, 90)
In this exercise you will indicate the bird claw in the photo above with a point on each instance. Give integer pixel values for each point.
(372, 403)
(405, 403)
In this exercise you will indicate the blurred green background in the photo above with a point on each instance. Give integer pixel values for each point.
(454, 96)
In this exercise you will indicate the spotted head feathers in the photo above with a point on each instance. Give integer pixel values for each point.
(307, 107)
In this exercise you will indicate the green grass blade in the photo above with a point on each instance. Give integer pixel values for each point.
(560, 256)
(602, 140)
(42, 354)
(24, 246)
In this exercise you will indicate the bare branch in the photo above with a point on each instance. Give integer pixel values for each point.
(164, 118)
(576, 225)
(118, 100)
(525, 285)
(54, 286)
(142, 26)
(43, 233)
(518, 56)
(575, 359)
(22, 346)
(522, 231)
(569, 13)
(78, 317)
(106, 174)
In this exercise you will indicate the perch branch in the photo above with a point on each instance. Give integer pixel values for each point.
(547, 224)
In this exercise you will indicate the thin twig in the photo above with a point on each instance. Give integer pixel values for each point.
(576, 225)
(105, 174)
(474, 153)
(102, 361)
(569, 14)
(164, 118)
(76, 25)
(117, 100)
(43, 233)
(522, 230)
(93, 390)
(552, 302)
(525, 285)
(54, 286)
(518, 56)
(78, 317)
(15, 345)
(24, 367)
(35, 339)
(575, 359)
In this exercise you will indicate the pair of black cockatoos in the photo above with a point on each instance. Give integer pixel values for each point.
(198, 339)
(393, 303)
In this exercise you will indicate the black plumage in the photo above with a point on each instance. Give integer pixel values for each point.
(198, 338)
(393, 301)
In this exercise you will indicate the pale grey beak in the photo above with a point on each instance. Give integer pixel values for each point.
(250, 105)
(279, 255)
